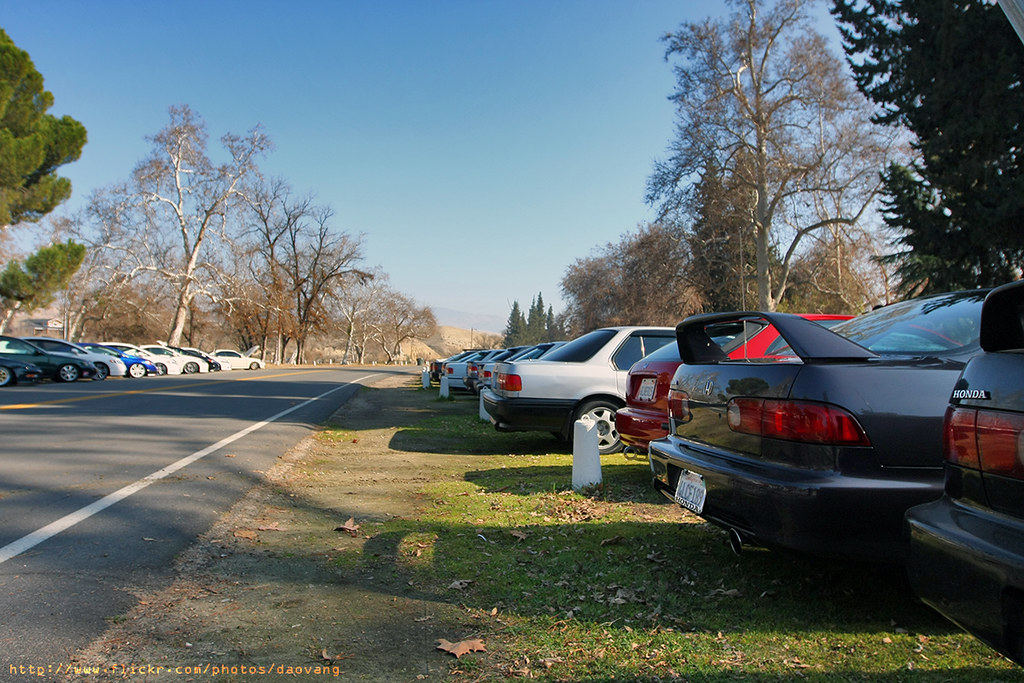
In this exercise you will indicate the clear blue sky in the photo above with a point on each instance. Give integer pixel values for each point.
(481, 146)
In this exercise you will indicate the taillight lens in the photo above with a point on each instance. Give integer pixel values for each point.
(803, 421)
(959, 437)
(679, 405)
(510, 382)
(985, 439)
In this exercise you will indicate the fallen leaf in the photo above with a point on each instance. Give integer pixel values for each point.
(519, 534)
(246, 533)
(461, 584)
(350, 527)
(229, 455)
(614, 540)
(270, 527)
(332, 658)
(462, 647)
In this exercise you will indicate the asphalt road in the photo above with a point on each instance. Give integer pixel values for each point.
(102, 484)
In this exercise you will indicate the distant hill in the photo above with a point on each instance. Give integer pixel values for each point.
(493, 324)
(448, 340)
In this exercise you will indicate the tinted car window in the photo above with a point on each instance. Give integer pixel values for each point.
(16, 346)
(637, 346)
(582, 348)
(941, 324)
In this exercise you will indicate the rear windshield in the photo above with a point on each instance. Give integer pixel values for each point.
(582, 348)
(941, 324)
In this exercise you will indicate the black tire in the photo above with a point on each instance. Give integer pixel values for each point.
(254, 366)
(6, 376)
(68, 372)
(602, 411)
(136, 370)
(102, 371)
(161, 368)
(191, 368)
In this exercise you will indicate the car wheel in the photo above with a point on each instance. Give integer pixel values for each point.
(102, 371)
(6, 376)
(191, 368)
(68, 373)
(136, 370)
(603, 413)
(254, 366)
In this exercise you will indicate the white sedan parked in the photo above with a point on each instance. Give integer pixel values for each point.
(189, 364)
(105, 365)
(238, 359)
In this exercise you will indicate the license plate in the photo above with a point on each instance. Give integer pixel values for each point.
(646, 390)
(690, 491)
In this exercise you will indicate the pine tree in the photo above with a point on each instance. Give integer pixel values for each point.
(949, 71)
(515, 329)
(33, 144)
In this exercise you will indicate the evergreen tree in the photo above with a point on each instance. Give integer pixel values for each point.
(33, 144)
(35, 283)
(950, 72)
(515, 329)
(536, 322)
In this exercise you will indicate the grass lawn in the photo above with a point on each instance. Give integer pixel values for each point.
(618, 583)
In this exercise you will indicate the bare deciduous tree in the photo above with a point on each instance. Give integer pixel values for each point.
(763, 96)
(180, 201)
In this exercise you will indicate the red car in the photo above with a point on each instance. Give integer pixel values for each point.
(645, 416)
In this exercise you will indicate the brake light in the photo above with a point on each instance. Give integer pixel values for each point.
(959, 437)
(678, 405)
(802, 421)
(984, 439)
(510, 382)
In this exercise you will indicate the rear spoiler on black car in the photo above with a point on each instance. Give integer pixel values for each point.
(810, 341)
(1002, 318)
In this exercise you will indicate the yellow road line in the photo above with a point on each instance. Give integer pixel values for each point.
(93, 397)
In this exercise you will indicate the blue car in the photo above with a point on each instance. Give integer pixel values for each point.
(137, 366)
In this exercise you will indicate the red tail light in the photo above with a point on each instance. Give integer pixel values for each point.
(510, 382)
(679, 405)
(487, 374)
(959, 437)
(803, 421)
(986, 440)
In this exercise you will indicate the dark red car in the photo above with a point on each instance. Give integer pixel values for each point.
(645, 416)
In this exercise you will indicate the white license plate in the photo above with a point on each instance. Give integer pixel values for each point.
(690, 491)
(646, 390)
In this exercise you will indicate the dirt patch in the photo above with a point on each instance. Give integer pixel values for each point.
(285, 583)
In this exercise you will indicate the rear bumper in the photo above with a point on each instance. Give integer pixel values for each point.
(637, 428)
(968, 564)
(528, 414)
(818, 512)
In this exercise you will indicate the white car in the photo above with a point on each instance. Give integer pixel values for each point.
(587, 376)
(238, 359)
(189, 364)
(215, 364)
(105, 365)
(167, 365)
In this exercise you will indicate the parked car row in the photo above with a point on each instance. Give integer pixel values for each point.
(29, 359)
(893, 436)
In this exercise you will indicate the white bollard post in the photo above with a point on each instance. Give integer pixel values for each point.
(444, 386)
(586, 458)
(426, 378)
(484, 416)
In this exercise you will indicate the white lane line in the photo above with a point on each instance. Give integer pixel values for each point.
(15, 548)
